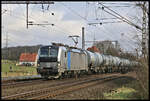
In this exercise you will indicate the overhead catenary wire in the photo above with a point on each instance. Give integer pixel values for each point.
(119, 3)
(110, 22)
(64, 30)
(32, 10)
(69, 8)
(127, 43)
(86, 10)
(55, 25)
(127, 38)
(46, 28)
(117, 17)
(86, 19)
(120, 17)
(95, 12)
(118, 6)
(15, 16)
(109, 35)
(75, 12)
(22, 9)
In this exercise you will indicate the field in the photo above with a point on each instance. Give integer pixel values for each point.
(16, 70)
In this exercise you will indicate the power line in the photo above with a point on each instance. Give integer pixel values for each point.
(122, 18)
(107, 34)
(106, 18)
(13, 12)
(111, 37)
(64, 30)
(120, 3)
(22, 9)
(69, 8)
(53, 29)
(100, 23)
(15, 16)
(32, 10)
(118, 6)
(86, 10)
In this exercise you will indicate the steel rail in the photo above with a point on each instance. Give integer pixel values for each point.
(48, 89)
(80, 85)
(18, 84)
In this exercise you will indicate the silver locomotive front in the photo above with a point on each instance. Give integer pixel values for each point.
(47, 63)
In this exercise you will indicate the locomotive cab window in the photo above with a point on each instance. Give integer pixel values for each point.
(65, 54)
(49, 52)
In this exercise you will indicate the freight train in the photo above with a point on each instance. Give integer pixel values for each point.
(58, 60)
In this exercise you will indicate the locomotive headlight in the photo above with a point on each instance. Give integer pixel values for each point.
(38, 63)
(58, 63)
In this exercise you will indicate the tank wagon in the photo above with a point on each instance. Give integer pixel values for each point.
(58, 60)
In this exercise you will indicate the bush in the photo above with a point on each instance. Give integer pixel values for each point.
(143, 78)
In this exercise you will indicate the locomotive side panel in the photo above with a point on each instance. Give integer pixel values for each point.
(62, 60)
(77, 61)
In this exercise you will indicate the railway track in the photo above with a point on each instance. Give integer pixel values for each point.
(75, 87)
(20, 78)
(60, 88)
(52, 85)
(14, 84)
(7, 81)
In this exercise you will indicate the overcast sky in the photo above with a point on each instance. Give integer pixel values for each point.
(68, 19)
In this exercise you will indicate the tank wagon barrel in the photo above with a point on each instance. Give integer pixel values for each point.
(96, 59)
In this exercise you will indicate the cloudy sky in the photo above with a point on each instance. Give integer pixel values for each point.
(68, 19)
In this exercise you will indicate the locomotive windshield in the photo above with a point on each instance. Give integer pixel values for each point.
(48, 54)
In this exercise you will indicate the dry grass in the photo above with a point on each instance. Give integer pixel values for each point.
(143, 78)
(120, 93)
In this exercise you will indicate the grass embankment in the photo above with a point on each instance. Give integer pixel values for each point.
(120, 93)
(131, 91)
(16, 70)
(137, 89)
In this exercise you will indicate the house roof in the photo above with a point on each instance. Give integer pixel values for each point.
(93, 49)
(28, 57)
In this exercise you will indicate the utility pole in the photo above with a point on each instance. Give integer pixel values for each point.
(27, 2)
(6, 40)
(137, 55)
(27, 15)
(83, 40)
(7, 51)
(144, 30)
